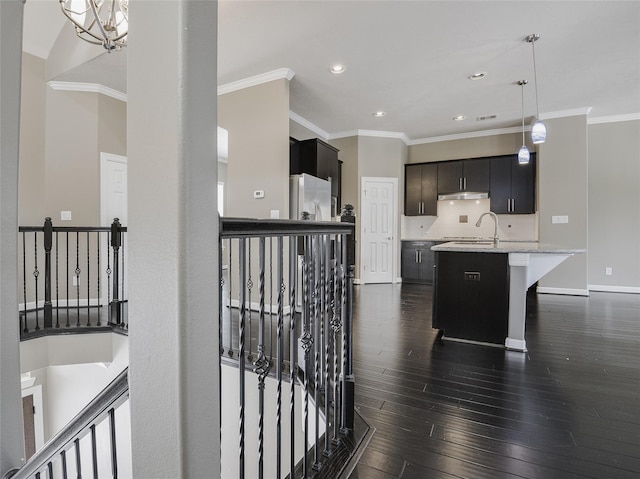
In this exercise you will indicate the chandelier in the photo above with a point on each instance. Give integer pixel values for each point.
(100, 22)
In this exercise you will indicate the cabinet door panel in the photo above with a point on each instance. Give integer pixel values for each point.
(477, 174)
(412, 190)
(410, 265)
(449, 175)
(430, 189)
(523, 183)
(500, 188)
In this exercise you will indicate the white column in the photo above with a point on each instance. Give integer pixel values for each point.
(11, 428)
(173, 238)
(518, 264)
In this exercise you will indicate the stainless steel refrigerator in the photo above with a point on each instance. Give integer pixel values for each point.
(310, 194)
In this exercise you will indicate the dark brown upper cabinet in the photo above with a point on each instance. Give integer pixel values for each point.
(464, 175)
(513, 186)
(421, 189)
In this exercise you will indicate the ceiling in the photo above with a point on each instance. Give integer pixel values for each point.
(412, 59)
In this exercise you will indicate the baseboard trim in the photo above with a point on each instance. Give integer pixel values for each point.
(564, 291)
(614, 289)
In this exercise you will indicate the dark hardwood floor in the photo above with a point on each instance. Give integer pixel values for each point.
(568, 408)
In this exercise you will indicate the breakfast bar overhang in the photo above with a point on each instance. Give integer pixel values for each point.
(470, 283)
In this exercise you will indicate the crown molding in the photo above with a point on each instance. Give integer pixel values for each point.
(88, 87)
(371, 133)
(565, 113)
(470, 134)
(309, 126)
(613, 119)
(281, 73)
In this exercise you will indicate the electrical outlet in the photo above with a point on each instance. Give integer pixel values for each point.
(559, 219)
(608, 271)
(76, 280)
(65, 215)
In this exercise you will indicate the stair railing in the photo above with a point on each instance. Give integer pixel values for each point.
(285, 312)
(62, 456)
(69, 274)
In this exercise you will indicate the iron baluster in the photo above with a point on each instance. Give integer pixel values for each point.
(343, 314)
(98, 251)
(307, 342)
(325, 338)
(77, 273)
(48, 240)
(116, 242)
(335, 326)
(262, 364)
(57, 285)
(94, 451)
(220, 296)
(67, 285)
(249, 288)
(113, 443)
(88, 282)
(36, 273)
(271, 297)
(317, 322)
(279, 357)
(229, 288)
(293, 281)
(78, 460)
(63, 457)
(241, 358)
(24, 280)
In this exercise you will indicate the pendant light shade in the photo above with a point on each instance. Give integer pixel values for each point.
(538, 132)
(523, 153)
(100, 22)
(538, 129)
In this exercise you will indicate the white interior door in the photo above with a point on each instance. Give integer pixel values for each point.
(113, 178)
(113, 204)
(378, 229)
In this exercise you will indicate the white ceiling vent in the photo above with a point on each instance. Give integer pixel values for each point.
(487, 117)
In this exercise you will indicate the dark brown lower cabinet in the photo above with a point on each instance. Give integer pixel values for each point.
(471, 296)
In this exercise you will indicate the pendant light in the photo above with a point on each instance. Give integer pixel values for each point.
(538, 129)
(523, 154)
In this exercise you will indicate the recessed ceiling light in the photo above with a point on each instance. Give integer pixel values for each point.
(379, 114)
(477, 76)
(338, 69)
(459, 117)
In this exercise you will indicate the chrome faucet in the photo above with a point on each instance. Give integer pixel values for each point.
(496, 239)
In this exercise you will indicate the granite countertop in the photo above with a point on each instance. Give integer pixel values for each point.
(506, 247)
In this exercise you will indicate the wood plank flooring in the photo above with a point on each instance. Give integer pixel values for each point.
(568, 408)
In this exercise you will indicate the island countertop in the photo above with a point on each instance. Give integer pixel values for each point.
(507, 247)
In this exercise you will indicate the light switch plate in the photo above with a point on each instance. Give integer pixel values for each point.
(65, 215)
(258, 194)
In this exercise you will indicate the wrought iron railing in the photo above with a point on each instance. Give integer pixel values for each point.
(285, 327)
(93, 428)
(69, 275)
(285, 316)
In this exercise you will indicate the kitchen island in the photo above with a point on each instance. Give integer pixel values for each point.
(480, 288)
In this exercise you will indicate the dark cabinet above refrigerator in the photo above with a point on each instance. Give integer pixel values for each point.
(317, 158)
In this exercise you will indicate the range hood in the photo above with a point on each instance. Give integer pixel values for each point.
(465, 195)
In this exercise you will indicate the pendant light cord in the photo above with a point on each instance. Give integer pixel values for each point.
(522, 96)
(535, 77)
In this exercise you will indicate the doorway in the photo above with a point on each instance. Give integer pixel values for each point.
(113, 204)
(378, 228)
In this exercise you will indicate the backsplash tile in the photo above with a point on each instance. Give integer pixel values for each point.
(447, 223)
